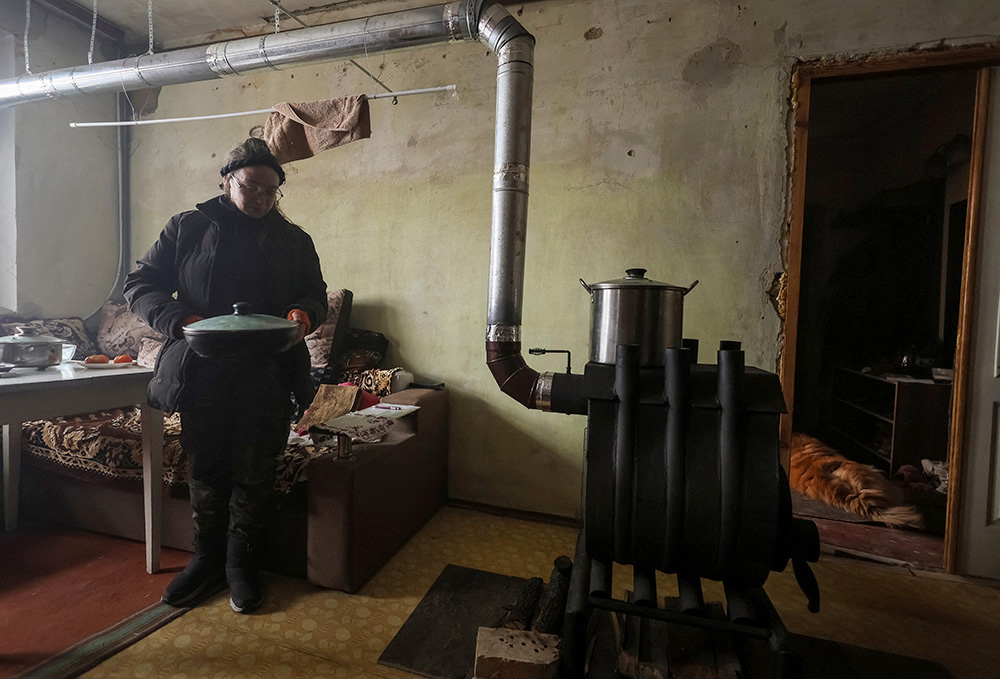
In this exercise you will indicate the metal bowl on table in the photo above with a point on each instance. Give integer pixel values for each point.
(28, 348)
(242, 335)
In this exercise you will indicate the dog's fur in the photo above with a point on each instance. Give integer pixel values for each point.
(820, 472)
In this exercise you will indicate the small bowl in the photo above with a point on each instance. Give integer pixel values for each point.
(68, 352)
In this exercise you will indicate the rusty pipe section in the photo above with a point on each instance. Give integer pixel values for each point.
(515, 48)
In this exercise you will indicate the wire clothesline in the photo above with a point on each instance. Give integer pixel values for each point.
(130, 123)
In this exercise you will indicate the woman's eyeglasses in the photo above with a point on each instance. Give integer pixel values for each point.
(272, 193)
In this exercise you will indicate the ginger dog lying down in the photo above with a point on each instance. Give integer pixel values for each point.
(821, 473)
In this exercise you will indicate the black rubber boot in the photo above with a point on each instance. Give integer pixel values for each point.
(204, 575)
(245, 586)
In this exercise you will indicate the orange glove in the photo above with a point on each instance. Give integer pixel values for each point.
(189, 319)
(302, 318)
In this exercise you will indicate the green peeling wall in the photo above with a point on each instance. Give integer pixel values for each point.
(660, 140)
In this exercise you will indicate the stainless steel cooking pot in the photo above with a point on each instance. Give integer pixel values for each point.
(635, 310)
(28, 348)
(241, 335)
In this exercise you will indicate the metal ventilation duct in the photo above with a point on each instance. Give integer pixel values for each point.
(483, 20)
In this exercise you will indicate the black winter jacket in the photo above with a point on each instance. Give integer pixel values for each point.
(174, 280)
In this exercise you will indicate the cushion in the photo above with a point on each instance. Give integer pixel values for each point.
(374, 380)
(69, 329)
(322, 340)
(121, 331)
(149, 349)
(365, 350)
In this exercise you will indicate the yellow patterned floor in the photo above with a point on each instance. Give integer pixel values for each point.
(304, 631)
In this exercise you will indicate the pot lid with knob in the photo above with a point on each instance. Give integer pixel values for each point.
(27, 334)
(635, 278)
(242, 320)
(241, 335)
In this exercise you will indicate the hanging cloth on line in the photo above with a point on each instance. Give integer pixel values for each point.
(301, 130)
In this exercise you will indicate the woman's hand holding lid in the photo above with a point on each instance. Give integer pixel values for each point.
(302, 318)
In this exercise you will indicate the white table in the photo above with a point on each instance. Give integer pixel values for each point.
(69, 389)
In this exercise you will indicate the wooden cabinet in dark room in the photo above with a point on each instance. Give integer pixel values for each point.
(889, 420)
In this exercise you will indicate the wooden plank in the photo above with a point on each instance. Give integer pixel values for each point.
(439, 638)
(963, 349)
(801, 89)
(941, 58)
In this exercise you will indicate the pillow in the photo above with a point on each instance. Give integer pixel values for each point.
(374, 380)
(322, 340)
(121, 331)
(69, 329)
(149, 349)
(365, 350)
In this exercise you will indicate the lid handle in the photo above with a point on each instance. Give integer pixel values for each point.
(243, 308)
(635, 273)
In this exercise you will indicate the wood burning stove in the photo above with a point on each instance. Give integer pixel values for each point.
(682, 477)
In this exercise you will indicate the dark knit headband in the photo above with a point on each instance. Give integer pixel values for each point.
(258, 160)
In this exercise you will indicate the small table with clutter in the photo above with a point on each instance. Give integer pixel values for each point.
(74, 387)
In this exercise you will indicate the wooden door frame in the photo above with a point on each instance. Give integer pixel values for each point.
(982, 57)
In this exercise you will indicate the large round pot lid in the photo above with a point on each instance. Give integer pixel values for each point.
(636, 278)
(29, 335)
(241, 320)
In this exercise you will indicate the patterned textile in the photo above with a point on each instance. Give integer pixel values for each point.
(149, 349)
(320, 341)
(364, 349)
(121, 331)
(7, 316)
(69, 329)
(359, 426)
(109, 443)
(375, 380)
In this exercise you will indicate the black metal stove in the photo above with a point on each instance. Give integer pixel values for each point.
(683, 476)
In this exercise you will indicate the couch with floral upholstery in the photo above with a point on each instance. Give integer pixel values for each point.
(336, 521)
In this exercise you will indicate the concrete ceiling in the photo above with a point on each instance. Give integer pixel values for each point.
(178, 23)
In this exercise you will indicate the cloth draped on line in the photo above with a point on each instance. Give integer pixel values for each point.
(301, 130)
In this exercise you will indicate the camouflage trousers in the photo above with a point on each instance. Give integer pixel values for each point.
(234, 425)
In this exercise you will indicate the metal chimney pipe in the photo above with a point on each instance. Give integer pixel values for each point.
(512, 150)
(483, 20)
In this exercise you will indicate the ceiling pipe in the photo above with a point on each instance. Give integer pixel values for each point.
(274, 51)
(484, 20)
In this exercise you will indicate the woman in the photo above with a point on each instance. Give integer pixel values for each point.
(236, 247)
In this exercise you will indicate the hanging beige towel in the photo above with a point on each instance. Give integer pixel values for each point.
(301, 130)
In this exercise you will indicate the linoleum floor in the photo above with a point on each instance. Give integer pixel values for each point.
(304, 631)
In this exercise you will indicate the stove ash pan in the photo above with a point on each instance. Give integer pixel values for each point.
(683, 472)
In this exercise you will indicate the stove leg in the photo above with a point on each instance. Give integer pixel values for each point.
(787, 663)
(574, 642)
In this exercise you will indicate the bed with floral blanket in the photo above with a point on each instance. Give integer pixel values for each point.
(108, 443)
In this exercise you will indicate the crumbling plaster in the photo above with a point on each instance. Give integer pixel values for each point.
(660, 140)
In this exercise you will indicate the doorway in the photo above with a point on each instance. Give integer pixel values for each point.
(878, 311)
